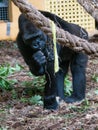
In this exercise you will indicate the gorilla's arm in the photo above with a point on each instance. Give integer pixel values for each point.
(60, 22)
(31, 41)
(70, 27)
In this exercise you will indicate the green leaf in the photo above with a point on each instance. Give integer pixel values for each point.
(18, 67)
(96, 92)
(95, 77)
(36, 100)
(68, 84)
(5, 71)
(3, 128)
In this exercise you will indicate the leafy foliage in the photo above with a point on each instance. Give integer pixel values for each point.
(5, 71)
(85, 105)
(35, 86)
(36, 100)
(14, 94)
(96, 91)
(95, 78)
(3, 128)
(68, 84)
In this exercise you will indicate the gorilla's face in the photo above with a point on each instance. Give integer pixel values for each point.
(37, 41)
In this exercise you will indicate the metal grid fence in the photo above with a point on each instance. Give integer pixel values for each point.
(71, 11)
(3, 11)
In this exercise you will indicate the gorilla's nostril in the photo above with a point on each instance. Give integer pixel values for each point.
(35, 46)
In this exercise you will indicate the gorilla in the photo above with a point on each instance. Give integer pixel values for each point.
(96, 24)
(37, 50)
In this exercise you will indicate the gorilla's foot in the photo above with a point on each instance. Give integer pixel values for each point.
(72, 99)
(50, 102)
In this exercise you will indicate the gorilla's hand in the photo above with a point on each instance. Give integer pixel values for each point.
(39, 61)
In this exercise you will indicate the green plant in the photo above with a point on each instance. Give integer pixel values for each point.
(68, 84)
(3, 128)
(95, 77)
(14, 94)
(2, 111)
(85, 105)
(36, 100)
(5, 71)
(24, 100)
(96, 91)
(35, 86)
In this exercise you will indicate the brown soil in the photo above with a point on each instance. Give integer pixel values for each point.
(15, 115)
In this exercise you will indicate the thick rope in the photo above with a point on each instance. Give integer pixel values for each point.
(91, 6)
(63, 37)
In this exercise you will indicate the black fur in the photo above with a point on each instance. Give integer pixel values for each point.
(37, 51)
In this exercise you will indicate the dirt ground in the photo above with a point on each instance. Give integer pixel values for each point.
(15, 115)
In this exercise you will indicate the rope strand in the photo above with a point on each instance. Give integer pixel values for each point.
(63, 37)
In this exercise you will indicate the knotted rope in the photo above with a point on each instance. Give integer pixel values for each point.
(63, 37)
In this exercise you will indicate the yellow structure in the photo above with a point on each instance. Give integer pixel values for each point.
(69, 10)
(13, 17)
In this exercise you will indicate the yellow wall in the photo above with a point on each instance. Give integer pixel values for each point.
(14, 14)
(14, 23)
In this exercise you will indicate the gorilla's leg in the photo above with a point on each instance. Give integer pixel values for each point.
(78, 68)
(55, 85)
(60, 76)
(50, 87)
